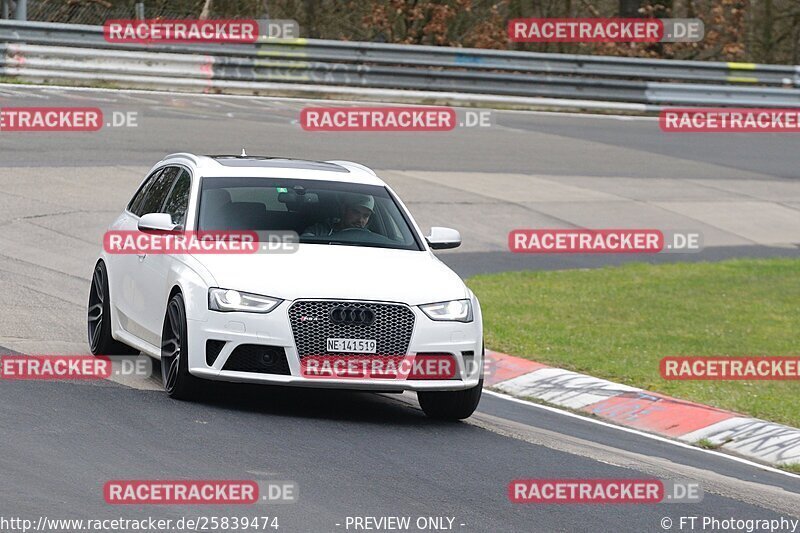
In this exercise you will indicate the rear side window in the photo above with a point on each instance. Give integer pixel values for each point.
(157, 192)
(136, 201)
(178, 200)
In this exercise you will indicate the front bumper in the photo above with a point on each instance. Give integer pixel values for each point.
(463, 341)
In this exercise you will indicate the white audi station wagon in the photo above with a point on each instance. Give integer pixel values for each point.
(361, 280)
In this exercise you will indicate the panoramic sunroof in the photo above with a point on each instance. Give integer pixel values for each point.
(276, 162)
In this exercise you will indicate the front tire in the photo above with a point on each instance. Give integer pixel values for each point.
(98, 317)
(178, 382)
(451, 405)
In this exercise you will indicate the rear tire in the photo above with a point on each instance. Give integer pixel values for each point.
(451, 405)
(98, 317)
(178, 382)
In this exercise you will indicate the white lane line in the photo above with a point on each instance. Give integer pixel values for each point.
(20, 93)
(642, 434)
(581, 114)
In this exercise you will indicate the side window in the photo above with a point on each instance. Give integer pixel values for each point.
(178, 200)
(136, 201)
(157, 192)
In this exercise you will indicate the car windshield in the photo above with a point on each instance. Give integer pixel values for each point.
(321, 212)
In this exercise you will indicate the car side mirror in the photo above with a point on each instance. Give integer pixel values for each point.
(443, 238)
(157, 223)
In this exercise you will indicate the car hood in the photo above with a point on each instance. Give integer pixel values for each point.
(339, 272)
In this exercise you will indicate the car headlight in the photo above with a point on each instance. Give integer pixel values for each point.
(454, 310)
(229, 300)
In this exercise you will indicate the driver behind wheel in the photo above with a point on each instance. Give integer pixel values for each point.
(356, 209)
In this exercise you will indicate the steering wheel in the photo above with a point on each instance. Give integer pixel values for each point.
(354, 229)
(362, 235)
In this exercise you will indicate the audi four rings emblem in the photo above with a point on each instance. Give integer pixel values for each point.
(357, 316)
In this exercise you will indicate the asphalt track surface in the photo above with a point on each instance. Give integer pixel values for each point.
(355, 454)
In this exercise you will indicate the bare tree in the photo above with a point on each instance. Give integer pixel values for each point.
(206, 12)
(768, 42)
(629, 8)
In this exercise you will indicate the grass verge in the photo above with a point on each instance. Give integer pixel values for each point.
(618, 322)
(791, 467)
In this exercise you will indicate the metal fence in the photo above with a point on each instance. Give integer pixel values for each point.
(79, 54)
(98, 11)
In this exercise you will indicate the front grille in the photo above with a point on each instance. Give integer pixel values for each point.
(258, 358)
(312, 326)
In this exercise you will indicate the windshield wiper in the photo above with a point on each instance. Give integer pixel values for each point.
(340, 243)
(320, 241)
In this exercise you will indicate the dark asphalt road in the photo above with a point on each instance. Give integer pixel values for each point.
(548, 144)
(351, 455)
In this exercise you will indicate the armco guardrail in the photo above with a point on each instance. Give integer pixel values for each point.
(79, 54)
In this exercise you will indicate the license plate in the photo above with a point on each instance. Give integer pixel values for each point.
(352, 345)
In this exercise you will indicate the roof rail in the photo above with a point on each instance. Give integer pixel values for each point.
(185, 155)
(354, 165)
